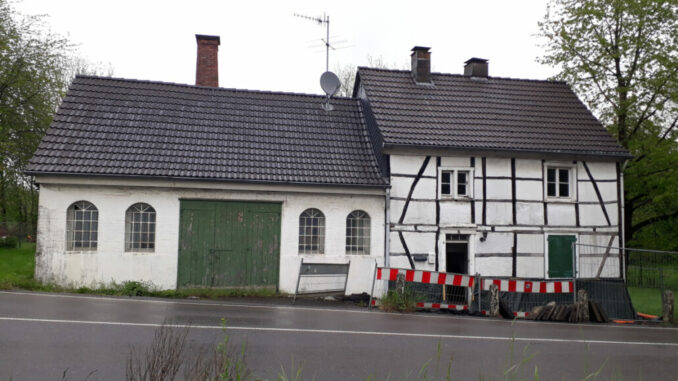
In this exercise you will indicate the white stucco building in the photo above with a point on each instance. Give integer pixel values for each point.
(200, 186)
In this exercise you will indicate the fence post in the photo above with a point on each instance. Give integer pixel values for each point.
(480, 292)
(667, 306)
(574, 272)
(374, 279)
(296, 289)
(494, 300)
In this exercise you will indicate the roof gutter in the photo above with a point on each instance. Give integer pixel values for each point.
(198, 179)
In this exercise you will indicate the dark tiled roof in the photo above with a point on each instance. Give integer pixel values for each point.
(118, 127)
(484, 114)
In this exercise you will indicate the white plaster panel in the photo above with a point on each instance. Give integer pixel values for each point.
(406, 164)
(498, 166)
(561, 214)
(592, 215)
(529, 190)
(588, 266)
(597, 240)
(531, 243)
(400, 186)
(599, 170)
(425, 189)
(495, 243)
(528, 168)
(501, 266)
(499, 213)
(110, 263)
(529, 213)
(608, 191)
(420, 243)
(498, 189)
(530, 267)
(455, 161)
(396, 246)
(418, 212)
(454, 213)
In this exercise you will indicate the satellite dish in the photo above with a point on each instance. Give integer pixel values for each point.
(330, 83)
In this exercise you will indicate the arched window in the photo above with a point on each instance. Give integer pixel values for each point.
(82, 224)
(140, 228)
(358, 233)
(311, 232)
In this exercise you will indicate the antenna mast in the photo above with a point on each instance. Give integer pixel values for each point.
(325, 19)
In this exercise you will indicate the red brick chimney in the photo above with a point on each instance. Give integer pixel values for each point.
(207, 67)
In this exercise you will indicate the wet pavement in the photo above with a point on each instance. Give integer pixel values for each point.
(43, 335)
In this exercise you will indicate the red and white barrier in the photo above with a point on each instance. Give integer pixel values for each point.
(528, 286)
(429, 277)
(516, 314)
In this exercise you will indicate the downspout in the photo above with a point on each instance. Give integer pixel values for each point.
(623, 215)
(387, 228)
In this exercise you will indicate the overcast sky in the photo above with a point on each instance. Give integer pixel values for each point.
(264, 47)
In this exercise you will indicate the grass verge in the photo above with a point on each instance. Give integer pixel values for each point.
(648, 300)
(17, 268)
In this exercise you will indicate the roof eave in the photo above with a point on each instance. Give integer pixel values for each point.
(390, 148)
(384, 184)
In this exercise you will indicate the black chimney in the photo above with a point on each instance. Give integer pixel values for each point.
(421, 64)
(476, 67)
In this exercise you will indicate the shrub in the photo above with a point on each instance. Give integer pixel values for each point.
(134, 288)
(10, 242)
(394, 301)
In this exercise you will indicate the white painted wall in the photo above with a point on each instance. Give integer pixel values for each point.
(530, 228)
(110, 263)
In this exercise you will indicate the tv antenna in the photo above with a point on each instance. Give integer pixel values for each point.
(324, 20)
(329, 81)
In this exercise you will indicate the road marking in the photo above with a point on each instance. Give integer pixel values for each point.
(294, 307)
(346, 332)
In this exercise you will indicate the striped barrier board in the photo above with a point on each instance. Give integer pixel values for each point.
(436, 306)
(442, 306)
(429, 277)
(528, 286)
(516, 314)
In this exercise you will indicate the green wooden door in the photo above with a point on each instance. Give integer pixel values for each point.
(560, 256)
(228, 244)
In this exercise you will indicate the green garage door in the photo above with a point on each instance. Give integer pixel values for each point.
(228, 244)
(560, 256)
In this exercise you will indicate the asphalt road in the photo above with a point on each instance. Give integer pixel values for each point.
(44, 335)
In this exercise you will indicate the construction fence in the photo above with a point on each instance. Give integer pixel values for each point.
(646, 275)
(430, 290)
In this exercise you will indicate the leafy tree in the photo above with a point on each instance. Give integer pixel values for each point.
(36, 67)
(621, 58)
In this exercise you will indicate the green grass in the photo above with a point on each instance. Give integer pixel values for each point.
(17, 264)
(648, 300)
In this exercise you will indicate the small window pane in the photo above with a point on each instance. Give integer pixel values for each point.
(551, 189)
(445, 189)
(564, 190)
(563, 175)
(551, 175)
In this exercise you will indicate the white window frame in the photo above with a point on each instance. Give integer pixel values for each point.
(145, 229)
(75, 219)
(306, 245)
(572, 181)
(453, 183)
(358, 238)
